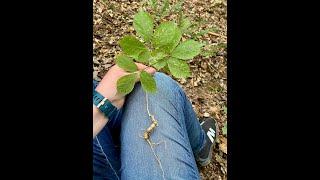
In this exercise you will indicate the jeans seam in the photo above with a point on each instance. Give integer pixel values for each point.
(181, 93)
(106, 158)
(108, 122)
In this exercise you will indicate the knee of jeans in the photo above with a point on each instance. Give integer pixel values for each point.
(165, 84)
(166, 88)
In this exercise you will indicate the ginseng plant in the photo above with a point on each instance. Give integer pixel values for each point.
(161, 48)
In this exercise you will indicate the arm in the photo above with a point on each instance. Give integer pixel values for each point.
(99, 120)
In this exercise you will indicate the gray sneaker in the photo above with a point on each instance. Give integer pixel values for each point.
(209, 125)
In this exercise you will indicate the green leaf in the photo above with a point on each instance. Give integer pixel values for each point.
(153, 3)
(166, 69)
(178, 6)
(167, 36)
(158, 54)
(144, 57)
(126, 63)
(126, 83)
(165, 8)
(187, 50)
(148, 82)
(132, 46)
(143, 24)
(158, 59)
(225, 109)
(158, 63)
(210, 51)
(225, 129)
(178, 68)
(185, 24)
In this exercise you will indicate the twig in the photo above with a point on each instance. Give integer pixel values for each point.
(216, 34)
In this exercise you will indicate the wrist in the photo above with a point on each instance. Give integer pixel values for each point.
(103, 104)
(107, 94)
(111, 96)
(97, 114)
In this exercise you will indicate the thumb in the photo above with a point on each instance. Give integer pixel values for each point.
(148, 69)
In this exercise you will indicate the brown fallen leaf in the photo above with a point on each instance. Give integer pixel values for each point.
(223, 145)
(214, 109)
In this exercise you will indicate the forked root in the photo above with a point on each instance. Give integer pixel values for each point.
(147, 134)
(157, 158)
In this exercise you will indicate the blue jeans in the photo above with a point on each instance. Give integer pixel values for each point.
(178, 128)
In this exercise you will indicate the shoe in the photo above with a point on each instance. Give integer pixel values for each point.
(209, 125)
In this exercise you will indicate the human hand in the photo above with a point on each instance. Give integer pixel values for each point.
(108, 85)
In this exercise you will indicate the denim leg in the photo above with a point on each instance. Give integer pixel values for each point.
(178, 127)
(106, 149)
(106, 160)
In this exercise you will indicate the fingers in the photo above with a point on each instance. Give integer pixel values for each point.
(149, 70)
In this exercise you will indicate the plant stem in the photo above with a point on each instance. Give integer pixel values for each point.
(150, 65)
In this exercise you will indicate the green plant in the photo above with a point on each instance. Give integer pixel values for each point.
(225, 128)
(161, 48)
(153, 3)
(225, 109)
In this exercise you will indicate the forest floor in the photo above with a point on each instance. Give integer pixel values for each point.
(206, 88)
